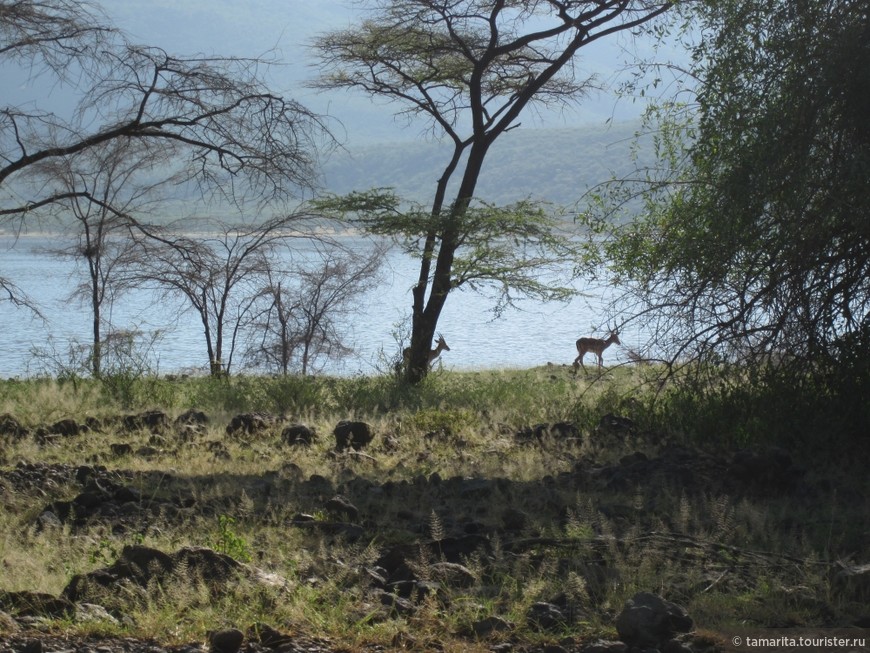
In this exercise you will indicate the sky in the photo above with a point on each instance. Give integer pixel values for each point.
(287, 27)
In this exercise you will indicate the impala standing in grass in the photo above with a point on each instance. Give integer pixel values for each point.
(596, 346)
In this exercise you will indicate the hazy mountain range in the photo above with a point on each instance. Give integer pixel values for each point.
(554, 165)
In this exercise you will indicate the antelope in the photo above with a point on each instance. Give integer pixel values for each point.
(596, 346)
(440, 345)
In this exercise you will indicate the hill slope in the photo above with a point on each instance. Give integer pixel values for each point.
(554, 165)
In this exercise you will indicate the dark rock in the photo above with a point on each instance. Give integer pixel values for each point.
(514, 519)
(119, 449)
(65, 428)
(564, 430)
(638, 457)
(351, 532)
(35, 604)
(486, 627)
(338, 504)
(396, 604)
(226, 641)
(33, 646)
(267, 636)
(146, 451)
(769, 470)
(605, 646)
(191, 418)
(675, 646)
(250, 424)
(452, 574)
(545, 616)
(611, 424)
(11, 428)
(298, 434)
(648, 620)
(152, 420)
(140, 565)
(853, 581)
(350, 434)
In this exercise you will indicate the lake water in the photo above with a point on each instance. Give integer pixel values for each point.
(535, 335)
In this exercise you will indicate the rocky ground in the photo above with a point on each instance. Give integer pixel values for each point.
(472, 513)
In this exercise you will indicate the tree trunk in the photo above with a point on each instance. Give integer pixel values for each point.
(424, 319)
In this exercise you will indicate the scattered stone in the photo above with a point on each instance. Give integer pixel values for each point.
(769, 470)
(298, 435)
(155, 421)
(140, 566)
(35, 604)
(452, 574)
(66, 428)
(340, 505)
(250, 424)
(191, 417)
(8, 624)
(91, 612)
(267, 636)
(11, 428)
(605, 646)
(648, 620)
(853, 581)
(349, 434)
(120, 449)
(615, 425)
(396, 604)
(564, 431)
(514, 519)
(226, 641)
(545, 616)
(486, 627)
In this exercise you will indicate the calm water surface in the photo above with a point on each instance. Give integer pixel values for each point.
(535, 335)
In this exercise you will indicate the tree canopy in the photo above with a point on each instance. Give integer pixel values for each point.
(212, 118)
(755, 247)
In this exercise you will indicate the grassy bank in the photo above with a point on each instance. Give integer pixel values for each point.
(651, 500)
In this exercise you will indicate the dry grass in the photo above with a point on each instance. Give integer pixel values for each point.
(593, 548)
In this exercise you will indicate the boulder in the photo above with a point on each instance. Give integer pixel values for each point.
(298, 435)
(226, 641)
(545, 616)
(11, 428)
(152, 420)
(250, 423)
(351, 434)
(66, 428)
(341, 506)
(648, 620)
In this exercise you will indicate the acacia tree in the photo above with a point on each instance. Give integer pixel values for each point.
(304, 312)
(218, 274)
(117, 178)
(755, 248)
(211, 118)
(470, 68)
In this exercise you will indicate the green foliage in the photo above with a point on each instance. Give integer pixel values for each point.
(517, 249)
(752, 251)
(229, 542)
